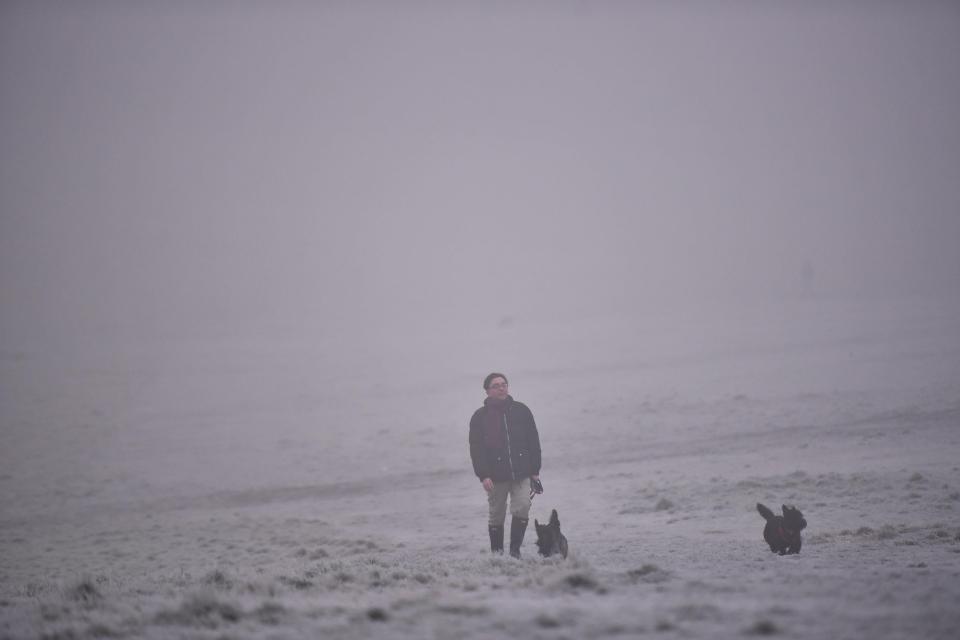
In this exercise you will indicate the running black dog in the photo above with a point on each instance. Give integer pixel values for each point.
(549, 539)
(782, 533)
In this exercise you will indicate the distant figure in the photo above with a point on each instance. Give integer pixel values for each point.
(505, 449)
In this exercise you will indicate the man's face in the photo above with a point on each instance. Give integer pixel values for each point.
(497, 389)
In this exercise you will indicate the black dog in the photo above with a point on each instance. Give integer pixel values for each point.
(782, 533)
(549, 539)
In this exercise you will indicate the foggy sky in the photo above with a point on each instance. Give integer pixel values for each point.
(177, 169)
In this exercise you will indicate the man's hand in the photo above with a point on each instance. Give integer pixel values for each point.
(487, 485)
(535, 486)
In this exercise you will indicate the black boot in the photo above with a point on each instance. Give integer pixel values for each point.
(496, 538)
(518, 526)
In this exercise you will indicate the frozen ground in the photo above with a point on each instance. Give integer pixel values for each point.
(285, 488)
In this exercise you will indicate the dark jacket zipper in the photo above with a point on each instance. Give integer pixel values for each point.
(506, 429)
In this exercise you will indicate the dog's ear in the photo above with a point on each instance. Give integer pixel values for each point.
(554, 518)
(785, 509)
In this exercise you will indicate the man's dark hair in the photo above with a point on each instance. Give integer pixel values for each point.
(489, 379)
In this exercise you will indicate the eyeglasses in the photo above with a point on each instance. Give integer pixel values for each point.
(499, 385)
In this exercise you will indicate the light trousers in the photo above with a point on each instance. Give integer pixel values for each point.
(519, 494)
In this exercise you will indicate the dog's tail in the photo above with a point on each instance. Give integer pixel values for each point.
(765, 512)
(554, 518)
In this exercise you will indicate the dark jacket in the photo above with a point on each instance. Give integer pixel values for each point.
(519, 458)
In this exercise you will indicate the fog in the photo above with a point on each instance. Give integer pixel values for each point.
(361, 172)
(257, 257)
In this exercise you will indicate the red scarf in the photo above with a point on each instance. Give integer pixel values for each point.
(493, 436)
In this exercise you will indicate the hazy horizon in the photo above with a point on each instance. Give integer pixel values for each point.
(252, 168)
(256, 259)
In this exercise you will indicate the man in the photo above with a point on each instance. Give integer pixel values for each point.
(505, 449)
